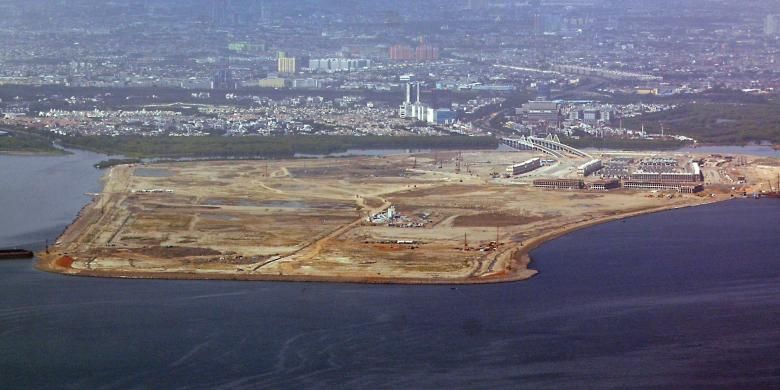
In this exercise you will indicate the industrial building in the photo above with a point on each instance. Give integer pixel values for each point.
(536, 111)
(560, 184)
(408, 109)
(383, 217)
(423, 112)
(589, 167)
(524, 167)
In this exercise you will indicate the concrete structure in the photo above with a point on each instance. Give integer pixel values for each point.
(589, 167)
(524, 167)
(551, 145)
(604, 185)
(560, 184)
(666, 176)
(688, 188)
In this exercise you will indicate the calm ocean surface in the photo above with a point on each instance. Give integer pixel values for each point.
(682, 299)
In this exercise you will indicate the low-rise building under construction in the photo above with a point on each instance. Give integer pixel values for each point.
(683, 187)
(691, 176)
(524, 167)
(560, 184)
(604, 185)
(589, 167)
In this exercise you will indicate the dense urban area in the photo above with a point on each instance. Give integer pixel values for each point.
(629, 74)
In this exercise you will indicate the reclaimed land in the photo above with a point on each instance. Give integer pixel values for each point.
(306, 220)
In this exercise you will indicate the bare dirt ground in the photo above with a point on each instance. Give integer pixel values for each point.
(307, 220)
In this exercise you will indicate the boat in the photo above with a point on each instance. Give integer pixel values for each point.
(15, 254)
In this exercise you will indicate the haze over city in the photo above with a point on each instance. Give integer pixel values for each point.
(461, 194)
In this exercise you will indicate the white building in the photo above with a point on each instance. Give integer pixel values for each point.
(589, 167)
(524, 167)
(415, 110)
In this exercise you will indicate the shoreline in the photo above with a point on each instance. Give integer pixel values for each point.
(520, 257)
(24, 153)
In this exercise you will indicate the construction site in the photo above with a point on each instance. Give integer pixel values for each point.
(439, 217)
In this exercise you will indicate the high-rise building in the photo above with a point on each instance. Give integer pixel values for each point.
(426, 53)
(223, 79)
(401, 53)
(423, 52)
(291, 65)
(286, 65)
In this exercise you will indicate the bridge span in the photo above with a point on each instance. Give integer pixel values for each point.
(550, 145)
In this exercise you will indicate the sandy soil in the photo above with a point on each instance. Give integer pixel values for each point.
(306, 220)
